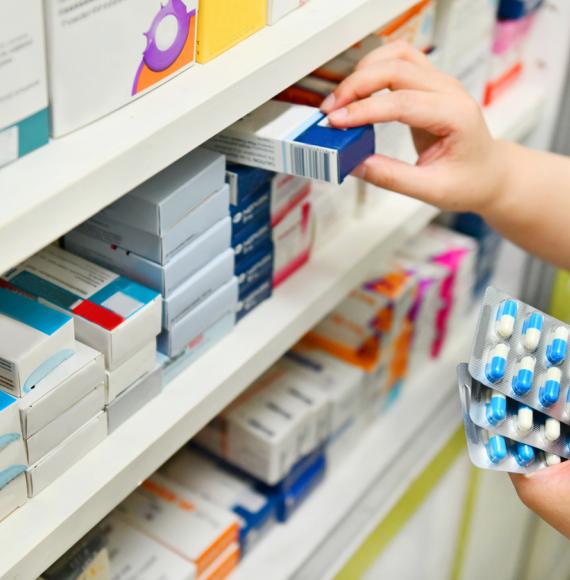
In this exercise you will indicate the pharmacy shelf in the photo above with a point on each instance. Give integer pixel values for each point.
(46, 526)
(54, 189)
(359, 491)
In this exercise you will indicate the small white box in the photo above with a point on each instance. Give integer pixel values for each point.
(72, 419)
(162, 278)
(276, 9)
(134, 555)
(145, 43)
(13, 494)
(163, 248)
(63, 387)
(160, 203)
(196, 321)
(34, 340)
(287, 192)
(182, 521)
(12, 452)
(114, 315)
(74, 448)
(134, 398)
(130, 371)
(198, 288)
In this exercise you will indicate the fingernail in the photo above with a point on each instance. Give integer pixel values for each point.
(360, 171)
(338, 116)
(328, 103)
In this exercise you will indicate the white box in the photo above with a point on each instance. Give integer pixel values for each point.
(74, 448)
(181, 521)
(160, 249)
(130, 371)
(12, 451)
(295, 139)
(63, 387)
(144, 44)
(134, 398)
(24, 121)
(34, 340)
(114, 315)
(136, 556)
(162, 278)
(276, 9)
(160, 203)
(287, 191)
(198, 288)
(12, 495)
(196, 321)
(72, 419)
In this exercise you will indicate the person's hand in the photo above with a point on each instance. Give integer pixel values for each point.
(547, 492)
(460, 166)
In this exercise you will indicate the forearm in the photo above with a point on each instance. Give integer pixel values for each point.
(532, 207)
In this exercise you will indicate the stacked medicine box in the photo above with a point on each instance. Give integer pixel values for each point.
(173, 234)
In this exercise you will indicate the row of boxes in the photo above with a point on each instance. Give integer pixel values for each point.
(149, 43)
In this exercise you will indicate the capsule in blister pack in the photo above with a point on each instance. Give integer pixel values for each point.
(493, 411)
(522, 353)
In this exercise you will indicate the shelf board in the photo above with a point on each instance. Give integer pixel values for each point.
(359, 492)
(52, 190)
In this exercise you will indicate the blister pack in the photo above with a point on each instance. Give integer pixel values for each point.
(494, 411)
(522, 353)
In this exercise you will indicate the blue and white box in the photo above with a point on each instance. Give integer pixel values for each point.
(257, 211)
(252, 240)
(113, 314)
(188, 327)
(13, 491)
(160, 203)
(255, 297)
(295, 139)
(254, 270)
(34, 340)
(245, 182)
(12, 450)
(162, 278)
(160, 248)
(24, 119)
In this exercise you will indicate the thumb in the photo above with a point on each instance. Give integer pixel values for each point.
(547, 493)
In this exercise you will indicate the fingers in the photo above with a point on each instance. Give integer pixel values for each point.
(547, 492)
(418, 109)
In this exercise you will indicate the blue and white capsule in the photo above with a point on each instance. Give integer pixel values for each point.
(496, 408)
(524, 454)
(557, 349)
(551, 430)
(524, 377)
(532, 331)
(506, 318)
(525, 420)
(497, 364)
(549, 393)
(496, 449)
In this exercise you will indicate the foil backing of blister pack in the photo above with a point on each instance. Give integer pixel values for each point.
(487, 338)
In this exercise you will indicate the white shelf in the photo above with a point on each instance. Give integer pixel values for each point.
(358, 493)
(54, 189)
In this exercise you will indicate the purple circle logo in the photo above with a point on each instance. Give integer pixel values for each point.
(155, 56)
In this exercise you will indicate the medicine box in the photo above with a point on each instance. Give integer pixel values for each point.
(254, 270)
(158, 204)
(252, 240)
(295, 139)
(198, 288)
(134, 398)
(114, 315)
(134, 554)
(245, 182)
(72, 419)
(163, 248)
(276, 9)
(225, 563)
(182, 521)
(287, 192)
(254, 298)
(24, 122)
(258, 211)
(12, 452)
(162, 278)
(146, 42)
(223, 24)
(63, 457)
(63, 387)
(13, 492)
(172, 367)
(34, 340)
(192, 324)
(130, 371)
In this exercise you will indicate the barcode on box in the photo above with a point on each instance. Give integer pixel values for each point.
(7, 369)
(310, 162)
